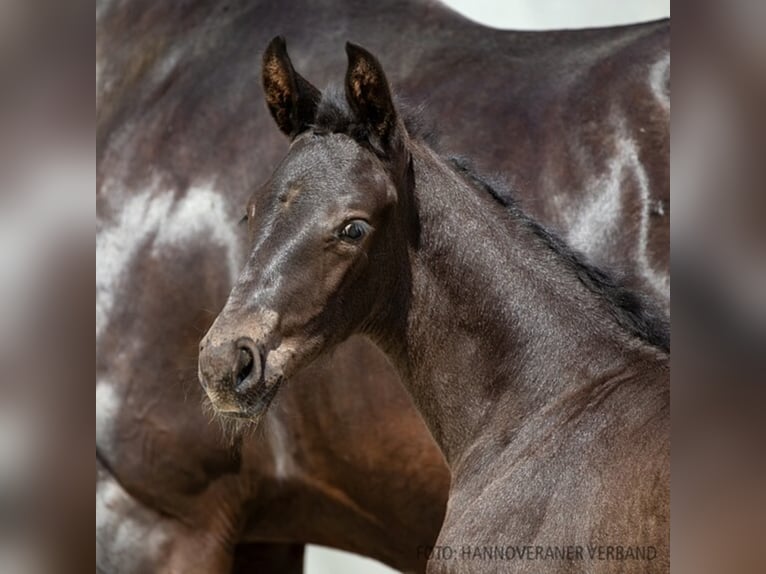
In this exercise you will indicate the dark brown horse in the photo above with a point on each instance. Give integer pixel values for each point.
(544, 382)
(182, 139)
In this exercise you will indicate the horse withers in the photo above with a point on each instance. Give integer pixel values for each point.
(544, 382)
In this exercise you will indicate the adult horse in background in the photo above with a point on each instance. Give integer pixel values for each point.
(183, 138)
(545, 383)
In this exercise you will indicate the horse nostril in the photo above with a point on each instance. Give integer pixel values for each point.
(244, 364)
(247, 365)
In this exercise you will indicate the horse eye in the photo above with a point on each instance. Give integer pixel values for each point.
(354, 230)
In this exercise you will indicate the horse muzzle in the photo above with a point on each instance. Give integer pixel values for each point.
(236, 377)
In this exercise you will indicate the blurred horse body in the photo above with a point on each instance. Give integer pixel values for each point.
(580, 118)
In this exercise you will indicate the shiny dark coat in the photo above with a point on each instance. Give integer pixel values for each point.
(183, 138)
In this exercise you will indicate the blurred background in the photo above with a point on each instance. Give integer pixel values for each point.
(552, 14)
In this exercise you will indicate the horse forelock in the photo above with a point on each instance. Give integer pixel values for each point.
(334, 115)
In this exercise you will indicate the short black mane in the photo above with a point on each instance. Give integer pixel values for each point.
(632, 310)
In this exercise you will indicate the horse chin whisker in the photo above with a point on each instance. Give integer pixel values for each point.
(233, 429)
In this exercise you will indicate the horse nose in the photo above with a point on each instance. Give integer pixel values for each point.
(231, 367)
(214, 363)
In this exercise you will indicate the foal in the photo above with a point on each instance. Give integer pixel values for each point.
(544, 383)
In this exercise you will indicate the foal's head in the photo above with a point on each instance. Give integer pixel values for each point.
(329, 235)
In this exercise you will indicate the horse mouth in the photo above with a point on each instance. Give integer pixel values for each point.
(240, 415)
(255, 404)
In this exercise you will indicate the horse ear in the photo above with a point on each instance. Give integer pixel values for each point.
(291, 99)
(368, 93)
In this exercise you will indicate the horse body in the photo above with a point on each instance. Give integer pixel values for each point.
(544, 382)
(588, 110)
(554, 421)
(605, 189)
(176, 102)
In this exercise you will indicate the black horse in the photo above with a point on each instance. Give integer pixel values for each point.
(544, 382)
(183, 137)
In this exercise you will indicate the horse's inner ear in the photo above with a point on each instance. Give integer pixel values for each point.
(368, 93)
(291, 99)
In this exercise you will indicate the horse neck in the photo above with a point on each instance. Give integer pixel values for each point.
(494, 315)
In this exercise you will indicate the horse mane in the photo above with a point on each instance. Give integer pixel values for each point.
(632, 310)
